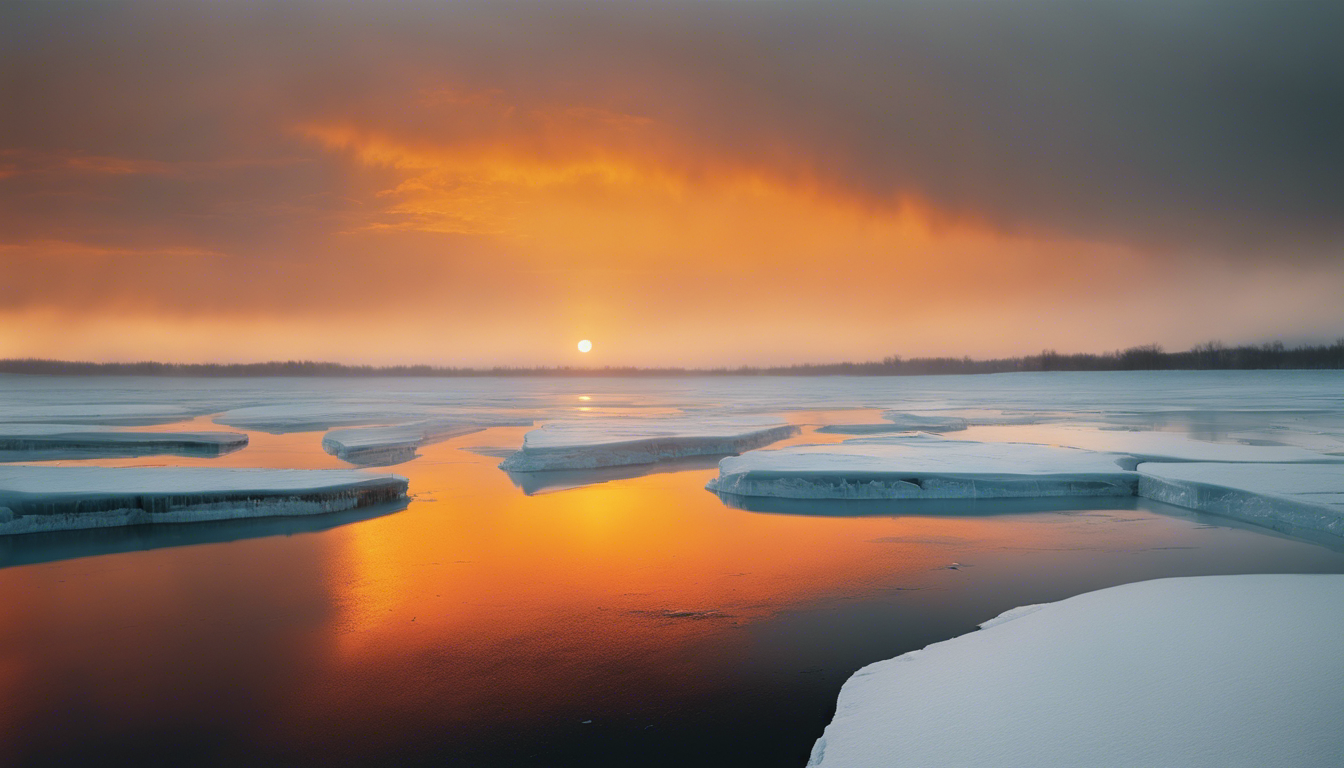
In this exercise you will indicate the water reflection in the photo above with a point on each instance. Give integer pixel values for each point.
(636, 621)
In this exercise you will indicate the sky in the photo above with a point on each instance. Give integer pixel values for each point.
(683, 183)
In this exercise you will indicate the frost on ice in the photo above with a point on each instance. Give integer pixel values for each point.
(1304, 496)
(28, 442)
(46, 498)
(922, 467)
(609, 442)
(1218, 671)
(396, 444)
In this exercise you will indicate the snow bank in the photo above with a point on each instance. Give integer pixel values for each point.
(922, 467)
(69, 441)
(393, 445)
(609, 442)
(44, 498)
(1306, 496)
(1221, 671)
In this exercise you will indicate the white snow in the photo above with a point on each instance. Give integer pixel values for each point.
(922, 467)
(1305, 496)
(609, 442)
(395, 444)
(66, 441)
(45, 498)
(1216, 672)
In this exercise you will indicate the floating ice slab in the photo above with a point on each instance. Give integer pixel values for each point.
(593, 443)
(922, 467)
(310, 417)
(42, 498)
(1283, 496)
(1216, 672)
(19, 442)
(393, 445)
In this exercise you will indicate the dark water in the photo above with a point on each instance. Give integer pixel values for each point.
(639, 621)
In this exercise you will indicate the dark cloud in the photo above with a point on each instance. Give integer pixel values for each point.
(1215, 124)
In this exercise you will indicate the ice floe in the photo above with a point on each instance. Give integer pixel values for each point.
(1221, 671)
(27, 442)
(396, 444)
(922, 467)
(1302, 496)
(609, 442)
(911, 422)
(44, 498)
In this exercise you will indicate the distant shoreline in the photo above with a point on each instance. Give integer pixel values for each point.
(1212, 356)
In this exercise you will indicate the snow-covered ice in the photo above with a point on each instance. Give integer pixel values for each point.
(25, 442)
(1216, 672)
(1304, 496)
(609, 442)
(395, 444)
(46, 498)
(922, 467)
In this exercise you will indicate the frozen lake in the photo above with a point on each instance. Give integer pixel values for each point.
(616, 616)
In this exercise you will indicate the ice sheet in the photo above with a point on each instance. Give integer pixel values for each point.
(395, 444)
(44, 498)
(1216, 672)
(19, 442)
(1280, 496)
(922, 467)
(608, 442)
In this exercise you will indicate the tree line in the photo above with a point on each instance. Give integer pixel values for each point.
(1151, 357)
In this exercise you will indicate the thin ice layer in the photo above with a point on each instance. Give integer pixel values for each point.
(922, 467)
(1305, 496)
(1216, 672)
(395, 444)
(592, 443)
(69, 441)
(46, 498)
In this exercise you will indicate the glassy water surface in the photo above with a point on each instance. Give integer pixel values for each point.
(497, 620)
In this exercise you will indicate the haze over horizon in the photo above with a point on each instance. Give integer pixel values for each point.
(686, 184)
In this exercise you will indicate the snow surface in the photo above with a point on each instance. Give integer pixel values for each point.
(395, 444)
(68, 441)
(922, 467)
(1306, 496)
(610, 442)
(1218, 671)
(46, 498)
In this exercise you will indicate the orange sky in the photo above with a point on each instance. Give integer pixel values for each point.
(478, 193)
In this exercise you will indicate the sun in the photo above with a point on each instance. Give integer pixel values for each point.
(585, 345)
